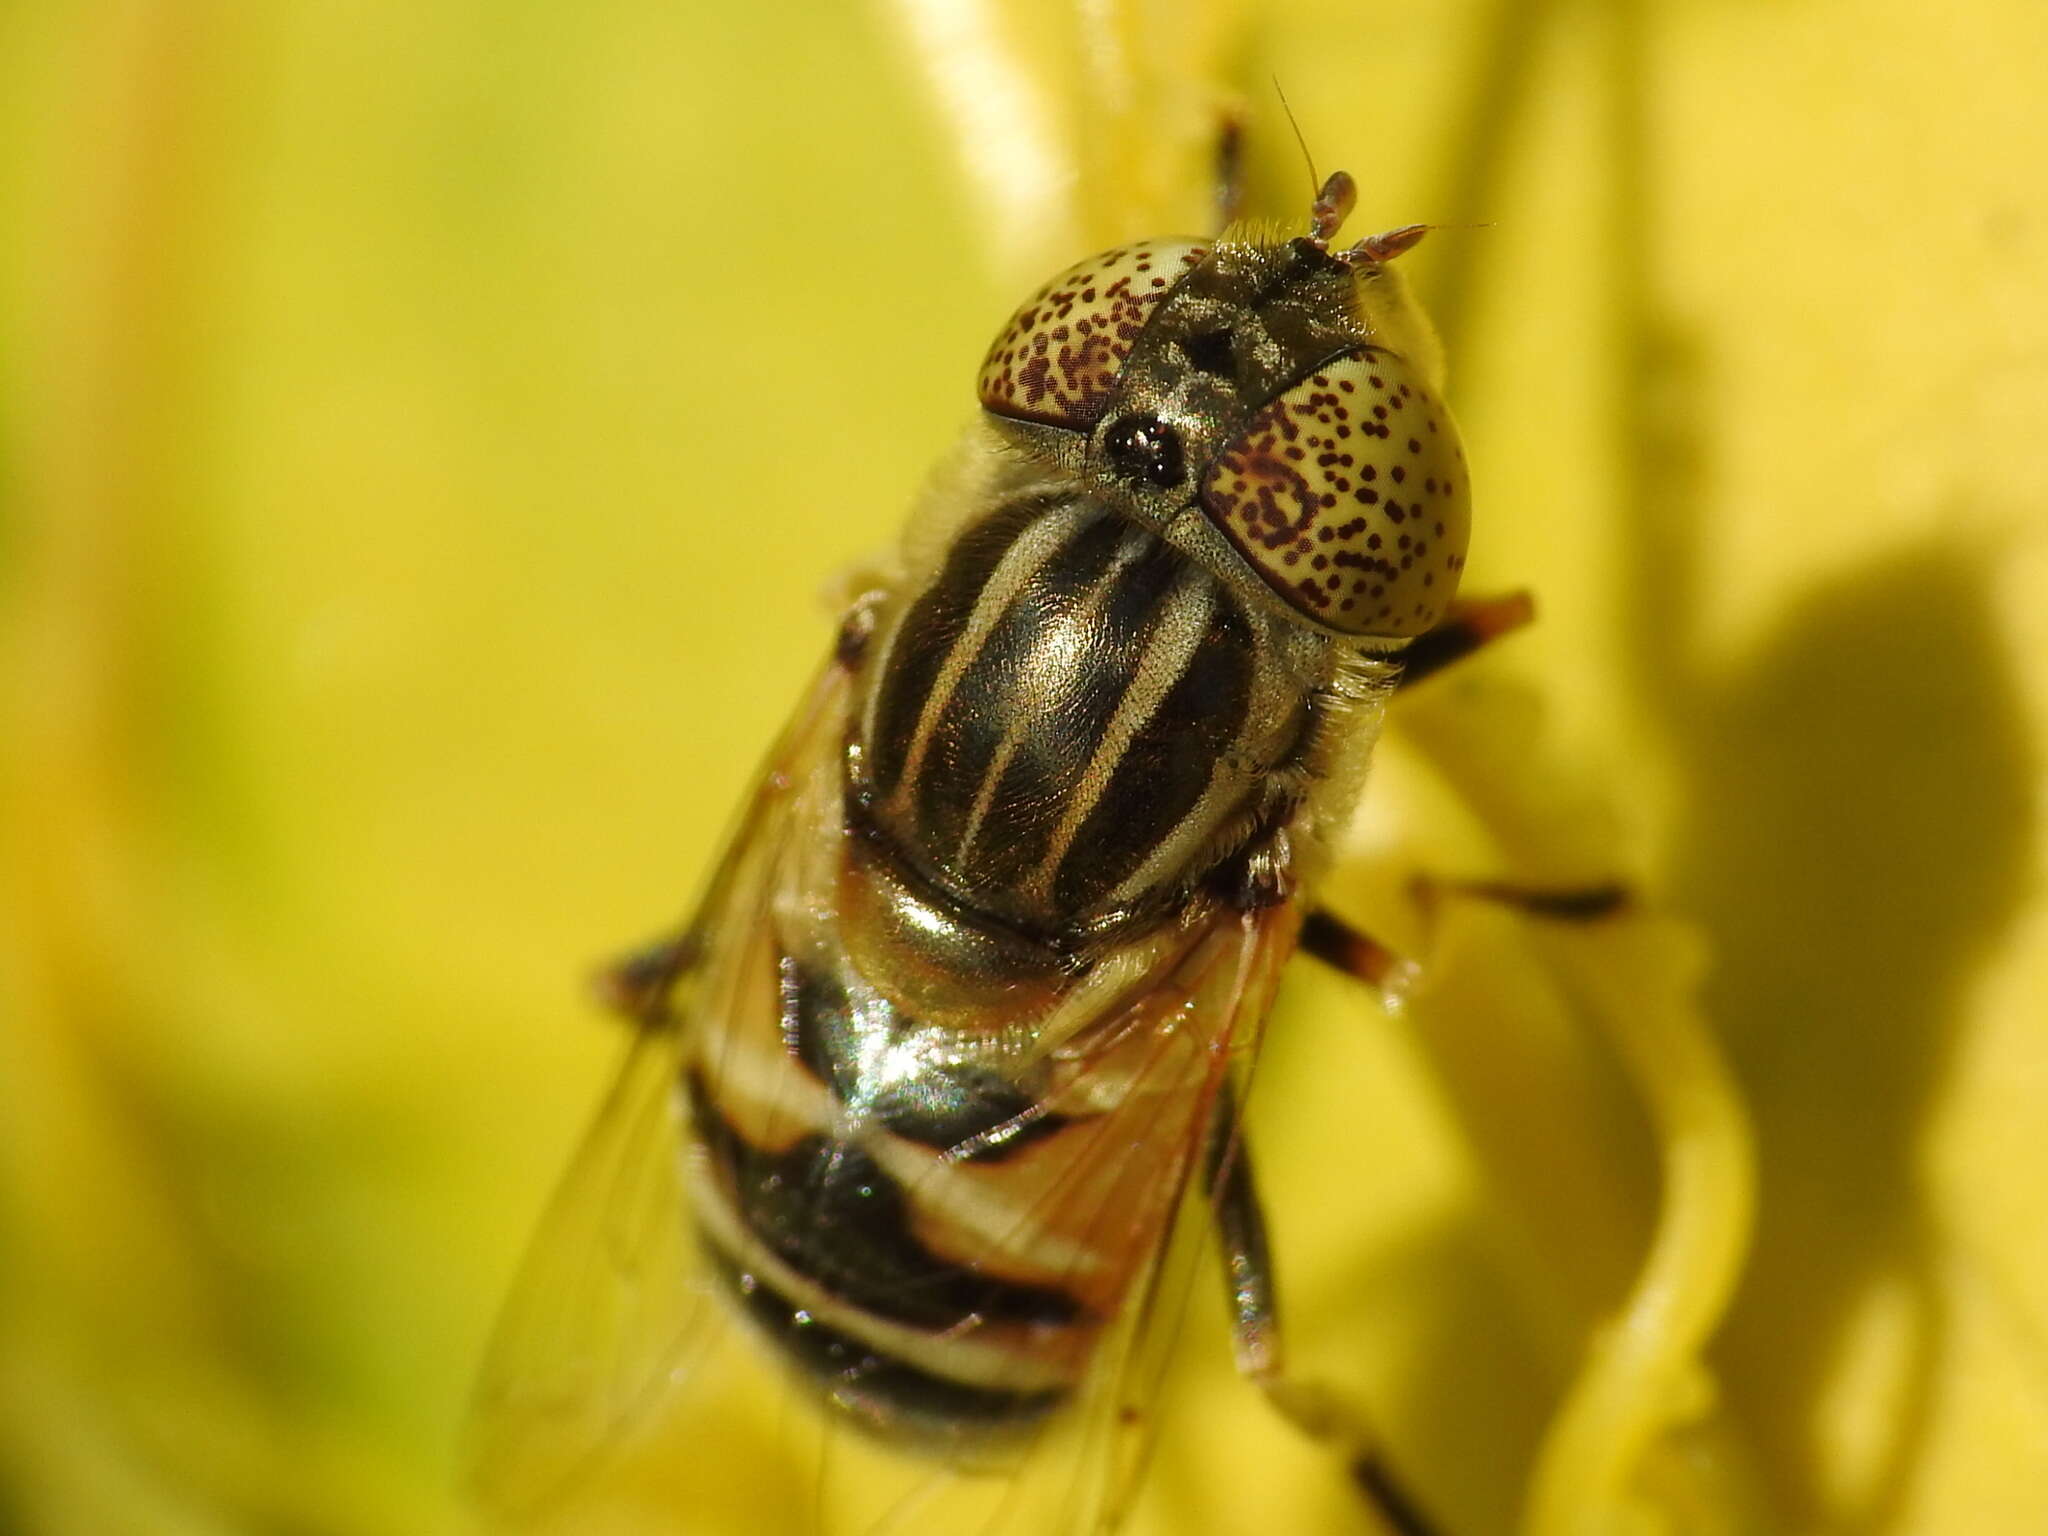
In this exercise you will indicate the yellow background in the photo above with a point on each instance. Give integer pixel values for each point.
(424, 428)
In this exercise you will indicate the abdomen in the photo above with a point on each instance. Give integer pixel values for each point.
(935, 1229)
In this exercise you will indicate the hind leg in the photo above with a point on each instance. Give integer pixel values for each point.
(1255, 1329)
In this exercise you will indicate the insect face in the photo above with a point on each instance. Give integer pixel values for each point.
(1244, 384)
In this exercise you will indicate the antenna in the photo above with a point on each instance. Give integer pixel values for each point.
(1334, 199)
(1308, 159)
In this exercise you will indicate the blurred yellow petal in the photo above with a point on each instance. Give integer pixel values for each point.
(423, 430)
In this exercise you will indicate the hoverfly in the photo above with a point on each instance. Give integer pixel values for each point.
(967, 1009)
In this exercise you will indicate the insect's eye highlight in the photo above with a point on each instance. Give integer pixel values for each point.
(1348, 494)
(1145, 449)
(1057, 359)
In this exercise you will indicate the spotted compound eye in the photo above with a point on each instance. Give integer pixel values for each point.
(1057, 358)
(1348, 495)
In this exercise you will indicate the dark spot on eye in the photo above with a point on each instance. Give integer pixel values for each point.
(1211, 352)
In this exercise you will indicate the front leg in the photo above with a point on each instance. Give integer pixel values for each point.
(1470, 623)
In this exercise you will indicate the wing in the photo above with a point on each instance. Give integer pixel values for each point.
(608, 1314)
(1239, 993)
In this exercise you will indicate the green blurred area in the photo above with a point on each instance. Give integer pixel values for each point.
(424, 433)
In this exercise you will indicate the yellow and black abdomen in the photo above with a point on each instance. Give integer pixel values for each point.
(823, 1239)
(919, 1220)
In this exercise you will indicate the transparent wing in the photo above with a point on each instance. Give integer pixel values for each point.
(608, 1313)
(604, 1308)
(1241, 994)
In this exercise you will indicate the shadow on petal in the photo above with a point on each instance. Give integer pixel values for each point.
(1856, 844)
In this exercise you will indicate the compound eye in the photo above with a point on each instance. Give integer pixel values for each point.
(1057, 359)
(1348, 494)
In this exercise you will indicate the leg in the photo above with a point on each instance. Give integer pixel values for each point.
(1560, 903)
(1345, 947)
(1255, 1326)
(637, 986)
(1353, 951)
(1471, 623)
(1564, 904)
